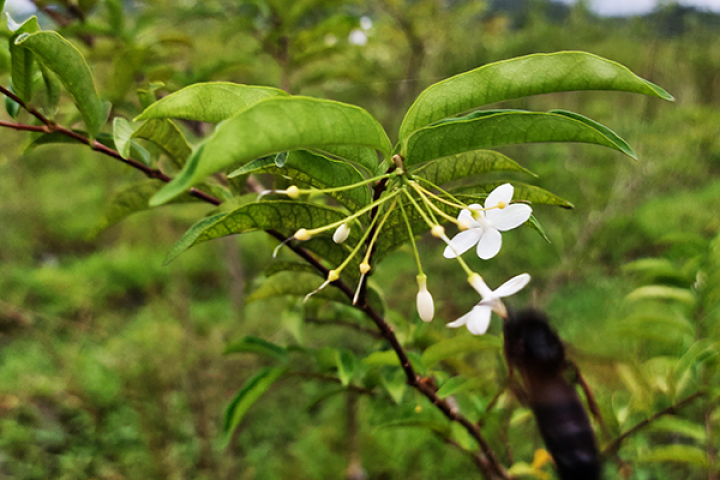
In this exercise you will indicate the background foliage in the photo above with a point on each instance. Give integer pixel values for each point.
(112, 365)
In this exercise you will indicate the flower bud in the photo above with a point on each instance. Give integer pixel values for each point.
(364, 268)
(341, 234)
(425, 305)
(437, 231)
(302, 234)
(292, 191)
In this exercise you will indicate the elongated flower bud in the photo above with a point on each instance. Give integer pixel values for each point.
(341, 234)
(425, 304)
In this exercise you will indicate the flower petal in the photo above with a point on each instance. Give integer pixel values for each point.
(478, 283)
(460, 321)
(466, 217)
(512, 286)
(489, 244)
(509, 217)
(502, 193)
(462, 242)
(479, 320)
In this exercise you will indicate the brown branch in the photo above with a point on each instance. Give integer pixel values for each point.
(614, 446)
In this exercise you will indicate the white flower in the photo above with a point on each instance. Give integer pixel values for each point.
(478, 319)
(425, 305)
(341, 234)
(484, 227)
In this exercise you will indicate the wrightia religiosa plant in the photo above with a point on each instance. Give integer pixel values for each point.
(345, 197)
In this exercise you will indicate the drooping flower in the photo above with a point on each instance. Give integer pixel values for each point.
(425, 304)
(483, 227)
(478, 319)
(341, 234)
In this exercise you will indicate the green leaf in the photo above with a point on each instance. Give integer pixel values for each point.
(317, 171)
(281, 214)
(662, 292)
(677, 425)
(208, 102)
(166, 135)
(395, 382)
(504, 128)
(534, 223)
(11, 106)
(522, 77)
(275, 125)
(659, 327)
(452, 347)
(66, 61)
(437, 427)
(363, 156)
(122, 132)
(277, 267)
(457, 385)
(257, 345)
(599, 127)
(23, 66)
(522, 193)
(386, 358)
(467, 164)
(52, 91)
(249, 393)
(345, 363)
(132, 200)
(675, 453)
(297, 284)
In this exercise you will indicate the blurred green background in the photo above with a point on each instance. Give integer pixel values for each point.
(111, 365)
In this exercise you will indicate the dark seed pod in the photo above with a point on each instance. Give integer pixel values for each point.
(536, 351)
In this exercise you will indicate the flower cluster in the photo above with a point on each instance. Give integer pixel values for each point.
(480, 227)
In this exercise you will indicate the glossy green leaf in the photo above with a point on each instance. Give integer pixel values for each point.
(521, 77)
(345, 362)
(504, 128)
(452, 347)
(132, 200)
(467, 164)
(66, 61)
(22, 60)
(208, 102)
(676, 454)
(680, 426)
(250, 344)
(624, 147)
(363, 156)
(275, 125)
(317, 171)
(522, 193)
(166, 135)
(534, 223)
(285, 215)
(662, 292)
(249, 393)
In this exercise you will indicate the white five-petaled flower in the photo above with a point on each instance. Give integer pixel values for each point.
(478, 319)
(425, 305)
(484, 227)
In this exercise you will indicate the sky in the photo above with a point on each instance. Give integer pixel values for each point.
(23, 8)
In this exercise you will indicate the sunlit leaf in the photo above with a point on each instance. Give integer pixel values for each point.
(455, 346)
(249, 393)
(208, 102)
(394, 381)
(503, 128)
(457, 385)
(521, 77)
(66, 61)
(22, 60)
(122, 131)
(275, 125)
(679, 426)
(664, 326)
(387, 358)
(166, 135)
(676, 454)
(444, 170)
(317, 171)
(257, 345)
(52, 91)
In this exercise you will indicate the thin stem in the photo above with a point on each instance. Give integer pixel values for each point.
(355, 215)
(32, 110)
(366, 259)
(614, 446)
(445, 192)
(411, 235)
(419, 210)
(348, 187)
(419, 191)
